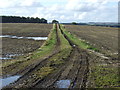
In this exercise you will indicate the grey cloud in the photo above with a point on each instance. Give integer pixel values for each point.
(85, 7)
(34, 4)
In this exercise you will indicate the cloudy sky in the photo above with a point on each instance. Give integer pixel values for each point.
(63, 10)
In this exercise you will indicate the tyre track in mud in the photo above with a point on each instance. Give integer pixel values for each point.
(28, 69)
(75, 70)
(52, 78)
(34, 67)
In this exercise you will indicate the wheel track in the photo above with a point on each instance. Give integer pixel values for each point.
(80, 67)
(52, 78)
(75, 69)
(36, 65)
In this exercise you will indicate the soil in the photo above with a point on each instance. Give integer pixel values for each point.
(15, 46)
(23, 46)
(76, 68)
(103, 38)
(26, 29)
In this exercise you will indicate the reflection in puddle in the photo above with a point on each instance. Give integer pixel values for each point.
(34, 38)
(13, 55)
(4, 58)
(8, 80)
(63, 83)
(9, 56)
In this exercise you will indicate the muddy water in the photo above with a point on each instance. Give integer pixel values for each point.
(6, 81)
(34, 38)
(63, 83)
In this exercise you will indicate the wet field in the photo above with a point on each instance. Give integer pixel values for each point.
(19, 39)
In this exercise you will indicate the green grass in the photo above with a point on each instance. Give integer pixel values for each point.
(104, 76)
(48, 46)
(64, 43)
(77, 41)
(44, 71)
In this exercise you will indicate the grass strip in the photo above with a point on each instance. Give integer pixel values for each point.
(80, 43)
(57, 60)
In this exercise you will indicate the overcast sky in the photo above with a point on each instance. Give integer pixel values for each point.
(63, 10)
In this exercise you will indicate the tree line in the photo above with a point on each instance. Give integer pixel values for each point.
(18, 19)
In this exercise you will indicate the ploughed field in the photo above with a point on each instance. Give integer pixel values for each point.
(71, 57)
(103, 38)
(14, 46)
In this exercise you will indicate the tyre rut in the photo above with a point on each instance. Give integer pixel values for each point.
(75, 70)
(33, 67)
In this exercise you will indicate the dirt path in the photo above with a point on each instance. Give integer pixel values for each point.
(76, 70)
(73, 72)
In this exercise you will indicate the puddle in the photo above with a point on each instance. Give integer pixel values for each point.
(34, 38)
(8, 80)
(63, 83)
(13, 55)
(10, 56)
(4, 58)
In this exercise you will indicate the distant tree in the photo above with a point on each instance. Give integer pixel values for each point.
(43, 20)
(55, 21)
(18, 19)
(74, 23)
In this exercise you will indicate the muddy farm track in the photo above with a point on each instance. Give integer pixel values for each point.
(66, 66)
(76, 66)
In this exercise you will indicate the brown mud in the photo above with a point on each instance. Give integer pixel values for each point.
(74, 71)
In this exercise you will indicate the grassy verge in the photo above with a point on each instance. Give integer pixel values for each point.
(80, 43)
(48, 46)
